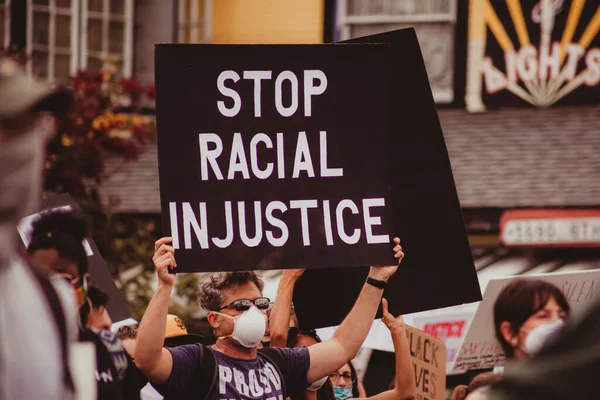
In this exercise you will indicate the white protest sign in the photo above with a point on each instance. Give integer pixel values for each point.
(450, 328)
(481, 350)
(82, 362)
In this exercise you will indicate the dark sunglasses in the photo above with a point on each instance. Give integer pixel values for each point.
(262, 303)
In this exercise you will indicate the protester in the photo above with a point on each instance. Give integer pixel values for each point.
(127, 334)
(526, 313)
(565, 368)
(345, 381)
(93, 313)
(236, 313)
(480, 382)
(31, 305)
(404, 382)
(56, 247)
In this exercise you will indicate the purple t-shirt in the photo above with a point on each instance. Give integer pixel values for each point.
(256, 379)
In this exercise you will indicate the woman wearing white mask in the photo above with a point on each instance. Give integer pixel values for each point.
(526, 314)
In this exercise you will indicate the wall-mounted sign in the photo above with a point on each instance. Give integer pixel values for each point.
(550, 228)
(532, 52)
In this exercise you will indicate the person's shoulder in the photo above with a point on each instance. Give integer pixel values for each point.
(187, 352)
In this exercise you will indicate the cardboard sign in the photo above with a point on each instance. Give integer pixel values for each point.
(437, 270)
(274, 156)
(101, 277)
(429, 362)
(481, 350)
(428, 356)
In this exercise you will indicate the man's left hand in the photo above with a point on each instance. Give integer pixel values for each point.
(384, 273)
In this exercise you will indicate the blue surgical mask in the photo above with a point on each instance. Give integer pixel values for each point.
(342, 392)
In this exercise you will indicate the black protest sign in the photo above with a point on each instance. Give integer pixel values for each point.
(437, 270)
(274, 156)
(97, 268)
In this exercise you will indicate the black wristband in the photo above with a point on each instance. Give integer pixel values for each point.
(378, 284)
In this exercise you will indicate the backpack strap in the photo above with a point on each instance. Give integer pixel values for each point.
(275, 357)
(207, 371)
(59, 319)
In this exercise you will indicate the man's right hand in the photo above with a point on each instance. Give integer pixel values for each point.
(164, 258)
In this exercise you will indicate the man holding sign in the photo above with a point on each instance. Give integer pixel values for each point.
(235, 367)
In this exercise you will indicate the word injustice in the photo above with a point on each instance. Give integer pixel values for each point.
(273, 212)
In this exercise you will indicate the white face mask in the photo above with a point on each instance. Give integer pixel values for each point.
(248, 328)
(21, 160)
(537, 337)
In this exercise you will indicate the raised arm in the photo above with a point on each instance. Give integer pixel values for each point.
(150, 357)
(279, 320)
(329, 356)
(405, 377)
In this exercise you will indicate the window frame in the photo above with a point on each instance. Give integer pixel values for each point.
(190, 23)
(51, 50)
(106, 18)
(344, 23)
(7, 21)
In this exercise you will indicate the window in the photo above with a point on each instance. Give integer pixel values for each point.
(4, 22)
(195, 17)
(52, 32)
(63, 36)
(433, 21)
(107, 34)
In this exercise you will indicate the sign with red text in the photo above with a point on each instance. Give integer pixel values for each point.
(532, 52)
(450, 329)
(274, 156)
(481, 350)
(550, 228)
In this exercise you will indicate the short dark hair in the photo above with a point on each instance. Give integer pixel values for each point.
(127, 332)
(519, 300)
(96, 298)
(64, 232)
(211, 291)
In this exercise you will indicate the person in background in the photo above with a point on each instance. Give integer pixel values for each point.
(56, 247)
(565, 368)
(32, 306)
(176, 334)
(345, 380)
(483, 380)
(116, 375)
(127, 335)
(93, 313)
(527, 313)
